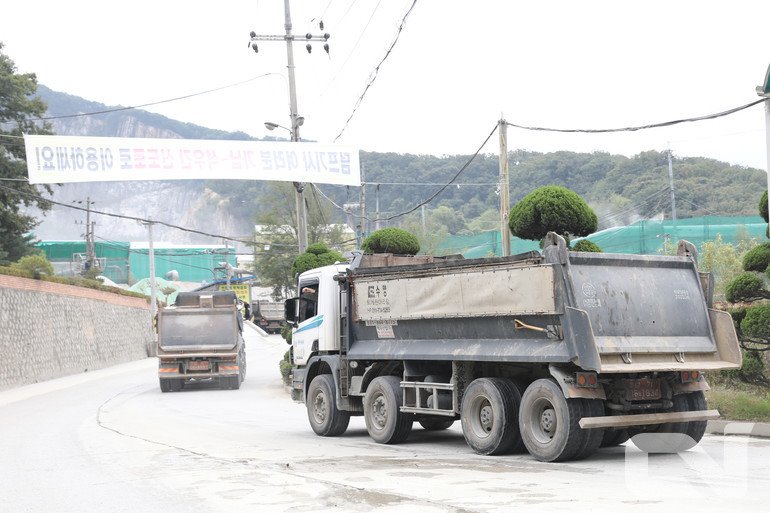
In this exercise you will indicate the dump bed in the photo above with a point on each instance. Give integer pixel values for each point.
(603, 312)
(200, 322)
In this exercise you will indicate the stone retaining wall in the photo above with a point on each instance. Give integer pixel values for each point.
(49, 330)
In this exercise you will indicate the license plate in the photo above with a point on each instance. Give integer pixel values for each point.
(642, 389)
(198, 365)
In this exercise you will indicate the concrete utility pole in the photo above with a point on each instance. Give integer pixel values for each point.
(151, 255)
(296, 120)
(505, 202)
(673, 195)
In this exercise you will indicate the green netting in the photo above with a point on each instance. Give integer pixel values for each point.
(193, 264)
(642, 237)
(67, 257)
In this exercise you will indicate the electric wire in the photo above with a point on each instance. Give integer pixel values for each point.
(642, 127)
(373, 75)
(118, 109)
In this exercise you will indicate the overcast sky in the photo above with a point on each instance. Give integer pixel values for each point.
(456, 68)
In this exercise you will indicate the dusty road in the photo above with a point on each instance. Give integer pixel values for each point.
(110, 441)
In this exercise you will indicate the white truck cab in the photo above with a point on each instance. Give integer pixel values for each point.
(316, 312)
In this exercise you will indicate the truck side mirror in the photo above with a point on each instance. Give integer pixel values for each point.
(290, 309)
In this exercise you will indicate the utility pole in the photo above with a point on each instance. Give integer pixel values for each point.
(671, 188)
(296, 120)
(505, 205)
(151, 255)
(377, 206)
(363, 211)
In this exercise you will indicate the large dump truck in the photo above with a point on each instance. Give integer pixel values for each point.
(200, 339)
(557, 353)
(269, 315)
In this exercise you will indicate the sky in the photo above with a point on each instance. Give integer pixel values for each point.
(457, 68)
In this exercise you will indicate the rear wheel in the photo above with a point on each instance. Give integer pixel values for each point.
(170, 384)
(436, 424)
(549, 423)
(489, 416)
(385, 421)
(322, 412)
(674, 436)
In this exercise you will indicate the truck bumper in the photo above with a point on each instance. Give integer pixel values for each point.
(646, 419)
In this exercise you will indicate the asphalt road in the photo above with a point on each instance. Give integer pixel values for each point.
(110, 441)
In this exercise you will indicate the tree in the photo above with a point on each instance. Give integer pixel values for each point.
(317, 255)
(18, 113)
(36, 264)
(278, 232)
(551, 209)
(587, 246)
(391, 240)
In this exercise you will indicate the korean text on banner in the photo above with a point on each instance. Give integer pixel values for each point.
(64, 159)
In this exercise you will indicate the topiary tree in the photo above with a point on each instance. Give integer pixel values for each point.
(746, 287)
(757, 259)
(763, 206)
(586, 246)
(552, 209)
(391, 240)
(316, 255)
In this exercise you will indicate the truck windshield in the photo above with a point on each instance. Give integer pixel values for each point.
(211, 329)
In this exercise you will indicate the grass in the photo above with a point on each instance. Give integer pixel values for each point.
(747, 403)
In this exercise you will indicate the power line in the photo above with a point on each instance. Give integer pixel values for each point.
(642, 127)
(376, 71)
(140, 219)
(118, 109)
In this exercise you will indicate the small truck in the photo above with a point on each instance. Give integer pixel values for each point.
(268, 315)
(200, 338)
(557, 353)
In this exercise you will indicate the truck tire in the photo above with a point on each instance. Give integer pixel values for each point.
(549, 423)
(322, 412)
(675, 436)
(593, 437)
(489, 416)
(436, 424)
(170, 384)
(614, 437)
(385, 421)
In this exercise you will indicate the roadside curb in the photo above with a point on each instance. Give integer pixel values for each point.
(738, 427)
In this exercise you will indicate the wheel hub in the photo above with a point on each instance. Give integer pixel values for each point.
(380, 412)
(487, 418)
(548, 420)
(320, 409)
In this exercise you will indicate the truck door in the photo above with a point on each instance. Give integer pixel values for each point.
(307, 333)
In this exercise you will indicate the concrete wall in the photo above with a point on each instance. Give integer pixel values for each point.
(49, 330)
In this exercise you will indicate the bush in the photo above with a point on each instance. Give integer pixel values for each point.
(752, 369)
(763, 206)
(286, 333)
(317, 255)
(285, 367)
(746, 287)
(587, 246)
(391, 240)
(36, 265)
(551, 209)
(757, 259)
(756, 323)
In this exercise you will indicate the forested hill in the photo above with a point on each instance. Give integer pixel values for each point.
(621, 189)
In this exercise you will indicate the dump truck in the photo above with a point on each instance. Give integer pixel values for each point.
(268, 315)
(557, 353)
(200, 339)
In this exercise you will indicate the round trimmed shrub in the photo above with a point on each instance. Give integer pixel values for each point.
(306, 261)
(763, 206)
(756, 323)
(551, 209)
(391, 240)
(318, 248)
(745, 287)
(757, 259)
(587, 246)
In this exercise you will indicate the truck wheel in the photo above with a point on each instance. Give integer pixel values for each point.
(614, 437)
(489, 416)
(385, 422)
(675, 436)
(171, 385)
(549, 423)
(436, 424)
(593, 437)
(325, 418)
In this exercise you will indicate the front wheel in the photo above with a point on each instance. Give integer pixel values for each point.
(385, 421)
(322, 412)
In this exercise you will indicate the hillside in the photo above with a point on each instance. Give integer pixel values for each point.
(621, 189)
